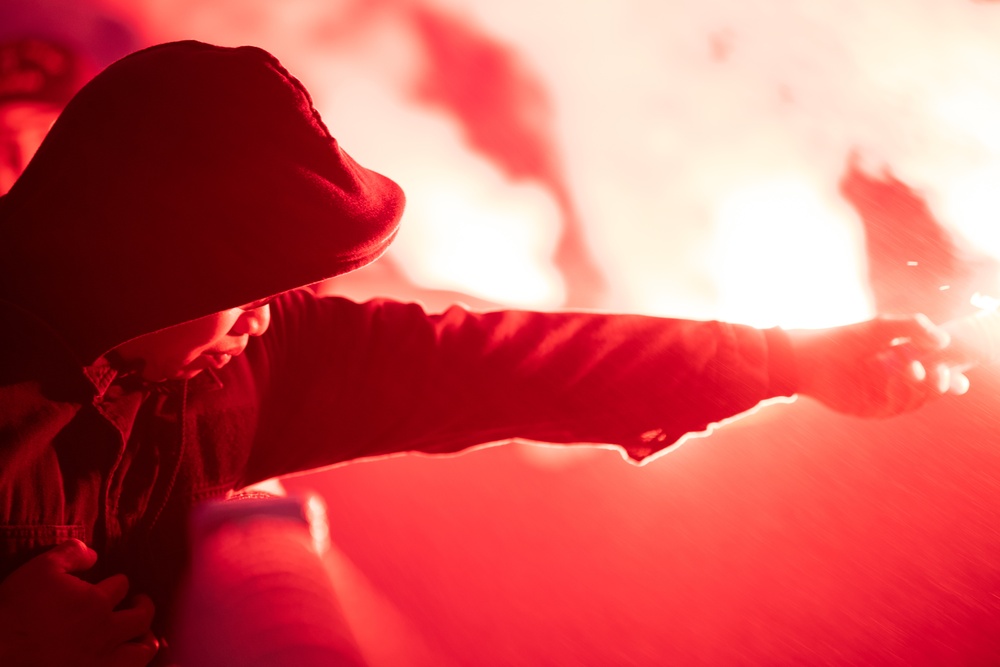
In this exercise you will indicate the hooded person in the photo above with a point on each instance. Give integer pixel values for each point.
(157, 352)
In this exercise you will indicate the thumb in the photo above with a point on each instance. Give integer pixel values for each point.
(917, 330)
(70, 556)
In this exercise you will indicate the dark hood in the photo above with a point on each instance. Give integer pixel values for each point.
(183, 180)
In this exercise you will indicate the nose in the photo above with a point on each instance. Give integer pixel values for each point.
(252, 322)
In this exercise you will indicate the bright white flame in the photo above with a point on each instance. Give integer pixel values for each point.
(487, 237)
(971, 203)
(687, 102)
(466, 227)
(971, 111)
(782, 258)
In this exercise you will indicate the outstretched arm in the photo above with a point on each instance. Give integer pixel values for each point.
(343, 380)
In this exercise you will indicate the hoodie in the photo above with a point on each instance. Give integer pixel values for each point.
(187, 179)
(183, 180)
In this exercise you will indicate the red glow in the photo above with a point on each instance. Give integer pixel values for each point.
(709, 160)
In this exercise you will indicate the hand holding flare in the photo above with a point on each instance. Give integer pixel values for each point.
(885, 366)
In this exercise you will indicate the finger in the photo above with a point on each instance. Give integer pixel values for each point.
(940, 378)
(132, 622)
(959, 383)
(917, 329)
(69, 556)
(149, 640)
(945, 379)
(115, 588)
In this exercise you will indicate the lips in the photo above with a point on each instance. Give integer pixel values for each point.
(234, 351)
(219, 358)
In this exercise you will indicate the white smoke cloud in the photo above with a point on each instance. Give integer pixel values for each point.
(664, 112)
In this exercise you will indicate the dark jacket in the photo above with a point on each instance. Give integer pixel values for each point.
(89, 453)
(188, 179)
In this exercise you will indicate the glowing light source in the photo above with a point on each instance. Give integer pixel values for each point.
(471, 229)
(784, 258)
(971, 202)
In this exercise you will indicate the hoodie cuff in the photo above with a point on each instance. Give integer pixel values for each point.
(783, 375)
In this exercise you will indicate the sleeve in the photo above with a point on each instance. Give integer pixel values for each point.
(343, 380)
